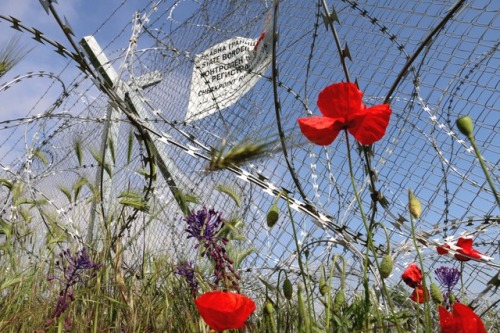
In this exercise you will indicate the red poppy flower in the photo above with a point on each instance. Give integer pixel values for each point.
(342, 108)
(224, 310)
(420, 295)
(464, 247)
(412, 276)
(461, 320)
(443, 249)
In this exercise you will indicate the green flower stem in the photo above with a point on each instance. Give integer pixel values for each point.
(386, 291)
(328, 296)
(427, 309)
(367, 228)
(59, 325)
(483, 166)
(96, 313)
(299, 256)
(369, 237)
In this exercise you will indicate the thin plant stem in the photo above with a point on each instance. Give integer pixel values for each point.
(299, 257)
(59, 325)
(96, 310)
(485, 170)
(328, 298)
(427, 310)
(369, 239)
(365, 223)
(384, 285)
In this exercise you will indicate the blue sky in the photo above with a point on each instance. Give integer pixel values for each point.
(86, 18)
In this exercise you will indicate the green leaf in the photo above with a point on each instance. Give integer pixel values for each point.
(111, 146)
(25, 215)
(5, 228)
(78, 186)
(130, 146)
(6, 183)
(41, 156)
(66, 191)
(240, 256)
(133, 200)
(10, 283)
(99, 160)
(79, 153)
(17, 190)
(231, 192)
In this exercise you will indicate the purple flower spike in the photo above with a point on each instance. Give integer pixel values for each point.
(204, 225)
(448, 277)
(186, 269)
(74, 270)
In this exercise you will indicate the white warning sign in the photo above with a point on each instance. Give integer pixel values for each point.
(226, 71)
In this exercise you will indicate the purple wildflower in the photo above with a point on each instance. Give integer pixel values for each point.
(448, 277)
(204, 225)
(186, 269)
(74, 270)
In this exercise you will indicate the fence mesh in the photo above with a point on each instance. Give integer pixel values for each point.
(57, 148)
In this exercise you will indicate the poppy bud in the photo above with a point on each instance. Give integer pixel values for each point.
(436, 294)
(302, 314)
(268, 308)
(287, 289)
(339, 300)
(272, 216)
(323, 287)
(452, 298)
(465, 126)
(415, 206)
(386, 266)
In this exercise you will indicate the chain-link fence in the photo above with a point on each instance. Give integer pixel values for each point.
(85, 157)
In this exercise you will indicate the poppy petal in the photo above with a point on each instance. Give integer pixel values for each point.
(446, 321)
(368, 127)
(320, 130)
(442, 249)
(420, 295)
(465, 245)
(224, 310)
(412, 275)
(340, 100)
(467, 319)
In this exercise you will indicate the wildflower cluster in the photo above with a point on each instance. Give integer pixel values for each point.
(186, 269)
(204, 225)
(447, 277)
(221, 310)
(76, 269)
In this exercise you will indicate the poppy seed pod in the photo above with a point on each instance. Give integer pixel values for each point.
(465, 126)
(272, 216)
(414, 205)
(338, 301)
(323, 287)
(386, 266)
(287, 289)
(436, 294)
(268, 308)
